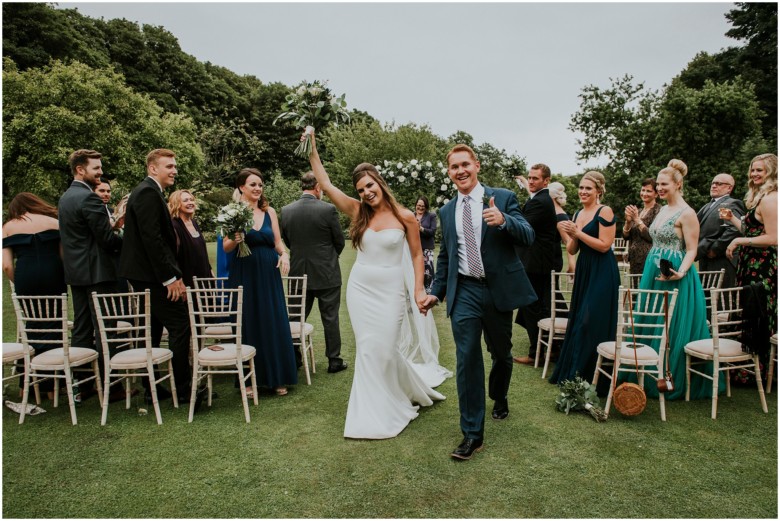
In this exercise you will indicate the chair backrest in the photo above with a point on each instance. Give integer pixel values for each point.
(619, 246)
(213, 301)
(133, 308)
(711, 280)
(561, 286)
(633, 280)
(726, 314)
(215, 306)
(42, 321)
(647, 308)
(295, 296)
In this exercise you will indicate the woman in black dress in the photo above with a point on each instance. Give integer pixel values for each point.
(191, 253)
(636, 229)
(427, 221)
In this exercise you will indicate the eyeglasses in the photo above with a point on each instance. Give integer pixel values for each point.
(716, 183)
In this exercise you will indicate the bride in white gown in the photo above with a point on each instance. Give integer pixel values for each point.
(386, 390)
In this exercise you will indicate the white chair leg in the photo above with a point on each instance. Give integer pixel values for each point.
(304, 358)
(715, 375)
(770, 375)
(547, 351)
(194, 390)
(760, 385)
(687, 377)
(153, 391)
(25, 395)
(662, 405)
(254, 378)
(172, 382)
(106, 387)
(126, 386)
(242, 380)
(596, 373)
(538, 347)
(311, 354)
(98, 382)
(69, 392)
(210, 385)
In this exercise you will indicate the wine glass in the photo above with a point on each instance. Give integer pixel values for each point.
(724, 212)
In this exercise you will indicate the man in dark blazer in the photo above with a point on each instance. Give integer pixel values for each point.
(480, 274)
(541, 257)
(89, 247)
(310, 228)
(148, 261)
(714, 238)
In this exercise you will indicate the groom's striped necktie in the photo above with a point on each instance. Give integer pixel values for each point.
(472, 251)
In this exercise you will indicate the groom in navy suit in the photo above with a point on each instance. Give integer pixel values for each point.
(479, 272)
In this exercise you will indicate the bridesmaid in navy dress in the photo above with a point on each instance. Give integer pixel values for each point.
(594, 301)
(31, 237)
(266, 325)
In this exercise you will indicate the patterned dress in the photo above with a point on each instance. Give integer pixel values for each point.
(759, 265)
(640, 242)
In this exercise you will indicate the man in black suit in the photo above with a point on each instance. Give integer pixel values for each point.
(148, 260)
(89, 247)
(103, 190)
(714, 238)
(310, 228)
(540, 257)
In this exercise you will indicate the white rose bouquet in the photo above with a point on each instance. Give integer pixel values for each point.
(236, 218)
(312, 105)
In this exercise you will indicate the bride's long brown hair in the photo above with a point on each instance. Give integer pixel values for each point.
(365, 212)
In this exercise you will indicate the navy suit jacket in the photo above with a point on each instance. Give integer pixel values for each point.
(506, 279)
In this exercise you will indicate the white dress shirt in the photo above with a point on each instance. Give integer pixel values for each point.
(476, 222)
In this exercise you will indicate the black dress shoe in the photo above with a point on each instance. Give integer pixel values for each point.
(466, 449)
(335, 368)
(200, 395)
(162, 394)
(500, 410)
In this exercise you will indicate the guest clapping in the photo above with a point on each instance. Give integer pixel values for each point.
(191, 253)
(636, 229)
(427, 222)
(594, 301)
(266, 325)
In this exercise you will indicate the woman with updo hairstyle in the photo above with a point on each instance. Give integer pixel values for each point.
(756, 250)
(636, 229)
(386, 390)
(675, 234)
(266, 325)
(558, 195)
(594, 300)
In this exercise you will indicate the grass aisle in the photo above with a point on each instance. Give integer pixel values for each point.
(292, 460)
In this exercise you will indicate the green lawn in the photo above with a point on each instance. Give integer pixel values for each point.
(292, 460)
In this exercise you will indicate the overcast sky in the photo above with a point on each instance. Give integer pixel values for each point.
(507, 73)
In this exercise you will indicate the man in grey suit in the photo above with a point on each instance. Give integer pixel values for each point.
(310, 228)
(89, 245)
(714, 238)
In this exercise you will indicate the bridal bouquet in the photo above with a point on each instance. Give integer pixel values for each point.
(579, 395)
(513, 166)
(312, 105)
(236, 218)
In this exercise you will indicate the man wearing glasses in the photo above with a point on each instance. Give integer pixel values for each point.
(715, 234)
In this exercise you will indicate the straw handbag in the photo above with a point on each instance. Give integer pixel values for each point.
(629, 398)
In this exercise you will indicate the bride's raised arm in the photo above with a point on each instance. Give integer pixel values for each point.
(343, 202)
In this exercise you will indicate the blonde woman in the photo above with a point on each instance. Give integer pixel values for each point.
(191, 253)
(594, 300)
(675, 234)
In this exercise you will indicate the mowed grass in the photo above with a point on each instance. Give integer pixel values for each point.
(292, 461)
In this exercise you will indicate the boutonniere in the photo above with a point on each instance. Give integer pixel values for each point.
(485, 200)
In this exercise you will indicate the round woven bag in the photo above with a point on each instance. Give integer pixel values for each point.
(629, 399)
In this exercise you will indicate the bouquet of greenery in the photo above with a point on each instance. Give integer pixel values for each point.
(579, 395)
(236, 218)
(312, 105)
(513, 166)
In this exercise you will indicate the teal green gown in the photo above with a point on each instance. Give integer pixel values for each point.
(689, 321)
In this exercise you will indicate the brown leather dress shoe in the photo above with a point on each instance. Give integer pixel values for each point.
(525, 360)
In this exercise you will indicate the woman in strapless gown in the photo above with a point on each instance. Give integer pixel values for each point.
(386, 389)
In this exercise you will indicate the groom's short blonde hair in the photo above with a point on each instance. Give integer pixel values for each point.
(461, 148)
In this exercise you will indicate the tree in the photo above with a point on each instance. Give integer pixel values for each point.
(48, 112)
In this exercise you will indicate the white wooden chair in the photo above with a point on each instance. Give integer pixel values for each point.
(301, 331)
(124, 321)
(215, 304)
(724, 349)
(48, 314)
(632, 280)
(554, 327)
(649, 325)
(620, 249)
(772, 361)
(13, 353)
(228, 355)
(711, 280)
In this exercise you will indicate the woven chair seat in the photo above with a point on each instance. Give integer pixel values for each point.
(727, 349)
(136, 358)
(55, 358)
(560, 324)
(295, 329)
(645, 355)
(226, 356)
(13, 351)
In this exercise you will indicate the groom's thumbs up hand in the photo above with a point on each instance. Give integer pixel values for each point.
(492, 215)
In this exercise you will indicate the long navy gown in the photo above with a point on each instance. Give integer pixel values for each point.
(592, 311)
(266, 325)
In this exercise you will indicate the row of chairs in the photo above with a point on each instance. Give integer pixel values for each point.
(124, 321)
(647, 307)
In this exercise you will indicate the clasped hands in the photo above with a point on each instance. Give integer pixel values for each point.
(632, 213)
(570, 228)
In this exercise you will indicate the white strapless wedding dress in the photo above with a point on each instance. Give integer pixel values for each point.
(386, 385)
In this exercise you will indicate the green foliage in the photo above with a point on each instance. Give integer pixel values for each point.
(51, 111)
(281, 191)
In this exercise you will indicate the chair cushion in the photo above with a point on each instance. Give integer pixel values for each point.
(55, 358)
(560, 324)
(645, 354)
(218, 330)
(228, 354)
(136, 358)
(727, 348)
(295, 329)
(14, 351)
(123, 326)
